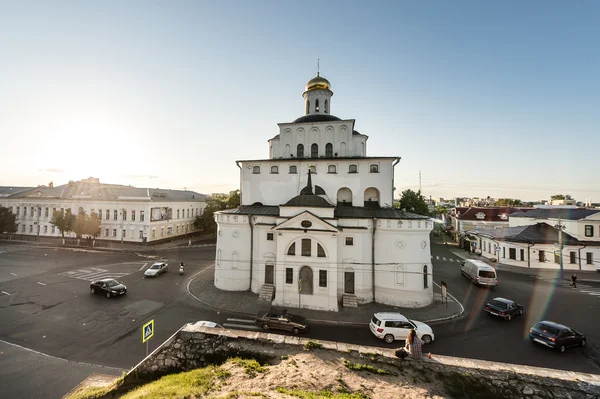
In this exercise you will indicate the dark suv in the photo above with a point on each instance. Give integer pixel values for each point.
(556, 336)
(504, 308)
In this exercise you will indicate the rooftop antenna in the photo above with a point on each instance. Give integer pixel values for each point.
(318, 68)
(419, 181)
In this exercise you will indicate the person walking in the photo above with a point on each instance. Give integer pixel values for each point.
(413, 347)
(574, 281)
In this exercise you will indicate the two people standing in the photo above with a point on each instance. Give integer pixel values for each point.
(413, 347)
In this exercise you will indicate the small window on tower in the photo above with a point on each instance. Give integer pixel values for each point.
(317, 105)
(256, 170)
(307, 107)
(293, 169)
(326, 108)
(274, 170)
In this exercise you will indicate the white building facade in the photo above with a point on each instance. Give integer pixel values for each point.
(316, 225)
(127, 214)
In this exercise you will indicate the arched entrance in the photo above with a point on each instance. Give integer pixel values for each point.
(305, 282)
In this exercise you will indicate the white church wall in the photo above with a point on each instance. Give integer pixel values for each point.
(232, 267)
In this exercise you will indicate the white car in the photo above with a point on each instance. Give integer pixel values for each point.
(211, 324)
(156, 269)
(393, 326)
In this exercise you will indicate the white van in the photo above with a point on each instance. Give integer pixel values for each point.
(479, 273)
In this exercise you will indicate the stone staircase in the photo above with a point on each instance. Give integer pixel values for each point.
(349, 301)
(267, 292)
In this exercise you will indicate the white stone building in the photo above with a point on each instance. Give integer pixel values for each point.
(316, 225)
(128, 214)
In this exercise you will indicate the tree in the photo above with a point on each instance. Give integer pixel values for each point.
(439, 210)
(214, 203)
(412, 201)
(63, 221)
(560, 197)
(79, 225)
(8, 221)
(93, 226)
(508, 202)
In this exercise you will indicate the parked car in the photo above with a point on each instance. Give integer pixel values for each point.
(156, 269)
(108, 286)
(504, 308)
(211, 324)
(556, 336)
(281, 321)
(391, 327)
(480, 273)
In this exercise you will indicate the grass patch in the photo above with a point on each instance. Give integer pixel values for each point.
(466, 386)
(284, 357)
(197, 382)
(222, 373)
(251, 366)
(310, 345)
(366, 367)
(91, 393)
(325, 394)
(238, 394)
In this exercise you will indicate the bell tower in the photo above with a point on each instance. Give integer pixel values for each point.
(317, 96)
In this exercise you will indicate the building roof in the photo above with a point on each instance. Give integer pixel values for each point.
(539, 233)
(310, 118)
(6, 191)
(256, 210)
(312, 160)
(309, 200)
(491, 214)
(354, 212)
(558, 213)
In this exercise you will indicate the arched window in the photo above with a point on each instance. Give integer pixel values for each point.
(274, 170)
(329, 150)
(326, 107)
(305, 281)
(344, 197)
(256, 170)
(320, 251)
(293, 169)
(399, 275)
(314, 150)
(292, 249)
(307, 107)
(425, 277)
(317, 105)
(353, 169)
(300, 151)
(331, 169)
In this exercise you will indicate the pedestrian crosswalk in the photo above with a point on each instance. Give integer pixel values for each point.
(581, 287)
(93, 274)
(241, 324)
(12, 248)
(443, 258)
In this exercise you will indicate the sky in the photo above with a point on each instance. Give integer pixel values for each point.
(483, 98)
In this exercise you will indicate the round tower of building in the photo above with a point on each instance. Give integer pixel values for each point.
(317, 96)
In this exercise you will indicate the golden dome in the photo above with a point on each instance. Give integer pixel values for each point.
(318, 83)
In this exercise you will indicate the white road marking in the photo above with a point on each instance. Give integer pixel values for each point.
(437, 257)
(14, 274)
(142, 268)
(5, 293)
(451, 260)
(41, 283)
(444, 258)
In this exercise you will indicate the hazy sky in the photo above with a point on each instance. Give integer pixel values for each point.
(485, 98)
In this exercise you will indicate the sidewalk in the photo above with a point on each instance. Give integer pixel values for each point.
(247, 304)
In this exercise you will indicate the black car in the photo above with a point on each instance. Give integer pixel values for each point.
(108, 286)
(281, 321)
(504, 308)
(556, 336)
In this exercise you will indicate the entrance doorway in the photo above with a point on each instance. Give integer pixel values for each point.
(349, 282)
(269, 273)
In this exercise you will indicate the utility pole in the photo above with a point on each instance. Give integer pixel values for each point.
(419, 182)
(560, 228)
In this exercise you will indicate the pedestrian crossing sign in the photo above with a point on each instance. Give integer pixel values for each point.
(147, 331)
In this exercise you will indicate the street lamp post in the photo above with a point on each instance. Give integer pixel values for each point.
(560, 228)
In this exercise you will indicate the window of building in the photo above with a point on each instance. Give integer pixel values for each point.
(31, 228)
(107, 233)
(320, 251)
(141, 236)
(522, 254)
(542, 255)
(399, 275)
(18, 210)
(114, 232)
(269, 236)
(141, 216)
(292, 249)
(353, 169)
(572, 257)
(124, 214)
(317, 105)
(53, 229)
(307, 107)
(23, 228)
(124, 234)
(32, 211)
(188, 213)
(46, 212)
(256, 170)
(153, 234)
(314, 150)
(24, 211)
(349, 241)
(235, 260)
(589, 258)
(289, 275)
(115, 214)
(374, 169)
(512, 253)
(274, 170)
(45, 229)
(326, 108)
(589, 230)
(107, 214)
(100, 214)
(504, 252)
(306, 244)
(331, 169)
(300, 151)
(425, 277)
(329, 150)
(293, 169)
(133, 216)
(322, 278)
(556, 257)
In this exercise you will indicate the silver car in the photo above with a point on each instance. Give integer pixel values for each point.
(156, 269)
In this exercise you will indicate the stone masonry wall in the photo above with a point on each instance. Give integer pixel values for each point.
(193, 347)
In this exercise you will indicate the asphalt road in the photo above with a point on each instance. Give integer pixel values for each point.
(45, 305)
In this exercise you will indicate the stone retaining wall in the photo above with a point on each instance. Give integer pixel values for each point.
(193, 347)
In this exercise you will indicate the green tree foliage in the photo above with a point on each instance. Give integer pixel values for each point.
(64, 221)
(93, 226)
(508, 202)
(413, 201)
(439, 210)
(8, 221)
(79, 225)
(214, 203)
(560, 197)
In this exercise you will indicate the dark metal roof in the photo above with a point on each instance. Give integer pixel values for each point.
(539, 233)
(258, 210)
(492, 214)
(313, 201)
(352, 212)
(317, 118)
(562, 213)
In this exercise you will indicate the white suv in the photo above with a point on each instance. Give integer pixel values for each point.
(393, 326)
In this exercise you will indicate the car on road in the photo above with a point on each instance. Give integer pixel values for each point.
(108, 286)
(205, 323)
(156, 269)
(504, 308)
(281, 321)
(391, 327)
(480, 273)
(555, 336)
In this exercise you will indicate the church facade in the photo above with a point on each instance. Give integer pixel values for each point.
(316, 226)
